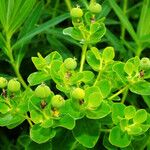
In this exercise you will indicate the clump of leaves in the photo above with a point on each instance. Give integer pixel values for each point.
(90, 96)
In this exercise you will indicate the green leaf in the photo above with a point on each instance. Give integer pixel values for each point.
(68, 142)
(118, 68)
(107, 144)
(119, 138)
(37, 78)
(47, 123)
(108, 54)
(36, 116)
(24, 140)
(105, 87)
(134, 129)
(40, 134)
(94, 100)
(69, 109)
(65, 121)
(96, 52)
(2, 41)
(54, 69)
(123, 124)
(3, 12)
(96, 36)
(32, 19)
(129, 68)
(140, 116)
(129, 112)
(143, 28)
(4, 108)
(89, 91)
(84, 76)
(117, 112)
(147, 100)
(44, 146)
(102, 111)
(92, 60)
(59, 45)
(115, 42)
(124, 20)
(140, 87)
(19, 13)
(40, 29)
(53, 56)
(87, 132)
(8, 119)
(75, 33)
(28, 26)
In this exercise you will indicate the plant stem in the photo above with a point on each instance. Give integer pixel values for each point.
(124, 95)
(74, 145)
(29, 120)
(12, 61)
(99, 73)
(125, 4)
(83, 55)
(105, 130)
(119, 92)
(55, 8)
(139, 50)
(68, 3)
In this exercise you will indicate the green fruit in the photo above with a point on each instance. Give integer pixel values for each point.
(95, 8)
(70, 63)
(3, 82)
(13, 85)
(42, 91)
(78, 93)
(76, 12)
(145, 63)
(57, 101)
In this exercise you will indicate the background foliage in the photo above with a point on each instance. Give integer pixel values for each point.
(31, 26)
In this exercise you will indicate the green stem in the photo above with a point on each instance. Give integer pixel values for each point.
(55, 8)
(74, 145)
(68, 3)
(139, 50)
(145, 144)
(125, 4)
(29, 121)
(83, 55)
(124, 95)
(12, 61)
(116, 94)
(105, 130)
(99, 74)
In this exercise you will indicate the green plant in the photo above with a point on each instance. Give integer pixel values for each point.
(82, 104)
(13, 85)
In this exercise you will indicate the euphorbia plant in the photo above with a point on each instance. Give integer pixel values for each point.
(90, 103)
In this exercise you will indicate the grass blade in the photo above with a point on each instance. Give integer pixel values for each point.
(40, 29)
(144, 22)
(124, 20)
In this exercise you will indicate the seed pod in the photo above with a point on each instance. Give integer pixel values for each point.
(95, 8)
(3, 82)
(78, 93)
(57, 101)
(76, 12)
(14, 85)
(70, 63)
(145, 63)
(42, 91)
